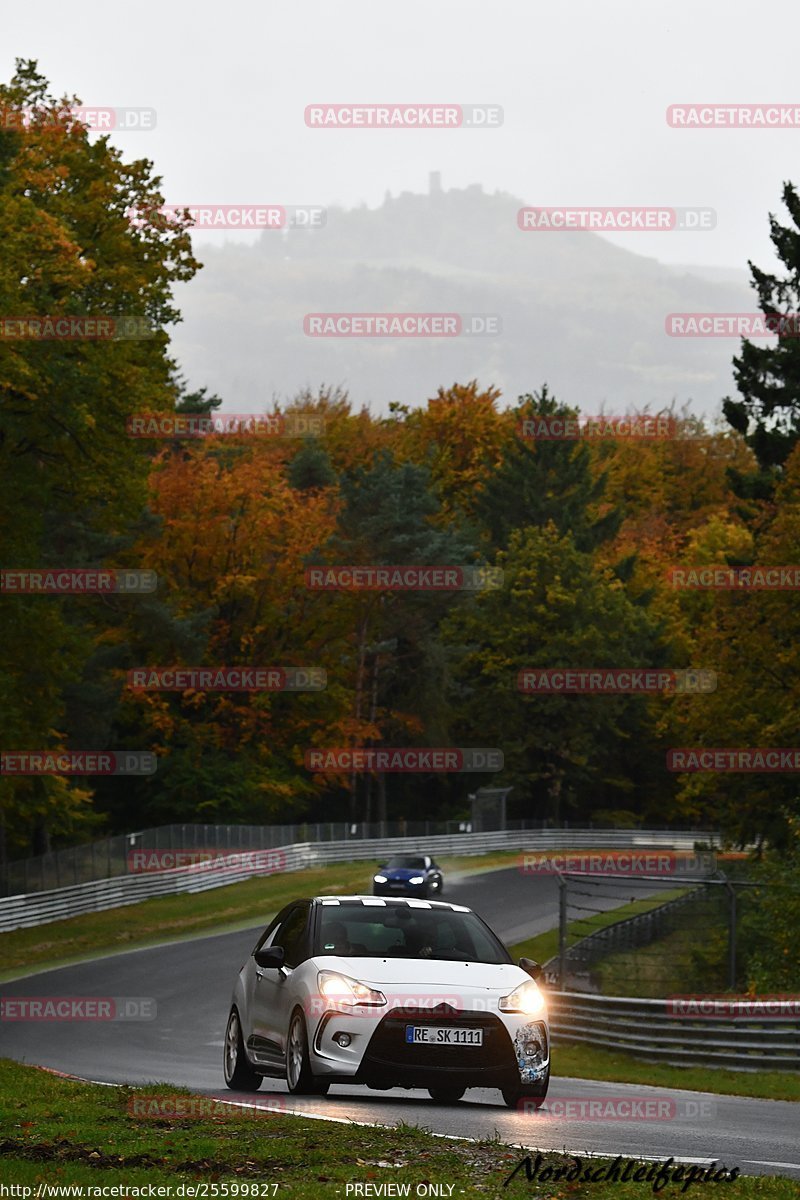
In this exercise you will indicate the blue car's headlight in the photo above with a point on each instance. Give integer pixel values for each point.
(417, 879)
(379, 879)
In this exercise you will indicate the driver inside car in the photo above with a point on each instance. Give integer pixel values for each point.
(335, 939)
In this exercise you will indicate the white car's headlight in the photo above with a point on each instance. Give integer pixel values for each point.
(417, 879)
(379, 879)
(524, 999)
(341, 989)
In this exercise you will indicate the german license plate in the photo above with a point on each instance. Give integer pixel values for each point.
(443, 1035)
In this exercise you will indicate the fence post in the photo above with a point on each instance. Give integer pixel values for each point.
(731, 935)
(562, 931)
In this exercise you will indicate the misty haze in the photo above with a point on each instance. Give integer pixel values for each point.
(577, 312)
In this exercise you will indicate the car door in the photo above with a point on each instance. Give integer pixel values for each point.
(261, 1049)
(273, 994)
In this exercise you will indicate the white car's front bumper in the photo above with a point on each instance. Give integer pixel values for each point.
(368, 1045)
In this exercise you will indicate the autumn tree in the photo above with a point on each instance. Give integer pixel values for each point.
(74, 481)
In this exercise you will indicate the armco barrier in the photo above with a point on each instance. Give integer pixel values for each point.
(649, 1030)
(37, 908)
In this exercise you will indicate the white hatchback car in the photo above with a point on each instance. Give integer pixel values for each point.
(389, 993)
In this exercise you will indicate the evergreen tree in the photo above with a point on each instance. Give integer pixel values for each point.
(768, 376)
(541, 481)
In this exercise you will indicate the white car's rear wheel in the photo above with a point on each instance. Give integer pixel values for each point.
(299, 1077)
(239, 1075)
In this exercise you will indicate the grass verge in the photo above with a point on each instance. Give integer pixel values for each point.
(589, 1062)
(672, 963)
(57, 1131)
(544, 945)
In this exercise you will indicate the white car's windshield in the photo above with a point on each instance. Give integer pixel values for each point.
(399, 931)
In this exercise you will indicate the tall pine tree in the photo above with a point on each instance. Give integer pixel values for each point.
(768, 377)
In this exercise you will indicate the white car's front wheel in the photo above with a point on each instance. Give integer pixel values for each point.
(527, 1099)
(239, 1075)
(446, 1095)
(299, 1076)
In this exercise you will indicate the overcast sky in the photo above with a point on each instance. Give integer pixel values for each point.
(584, 87)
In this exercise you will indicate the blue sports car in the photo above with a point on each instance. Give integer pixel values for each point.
(408, 875)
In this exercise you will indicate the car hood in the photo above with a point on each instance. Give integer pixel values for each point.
(413, 973)
(403, 873)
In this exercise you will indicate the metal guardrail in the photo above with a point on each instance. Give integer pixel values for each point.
(108, 857)
(654, 1031)
(38, 908)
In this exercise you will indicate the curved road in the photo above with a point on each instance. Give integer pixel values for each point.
(191, 983)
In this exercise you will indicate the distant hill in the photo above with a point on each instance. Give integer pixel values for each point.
(579, 313)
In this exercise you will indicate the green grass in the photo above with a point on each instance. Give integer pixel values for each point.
(545, 945)
(62, 1132)
(589, 1062)
(169, 917)
(673, 963)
